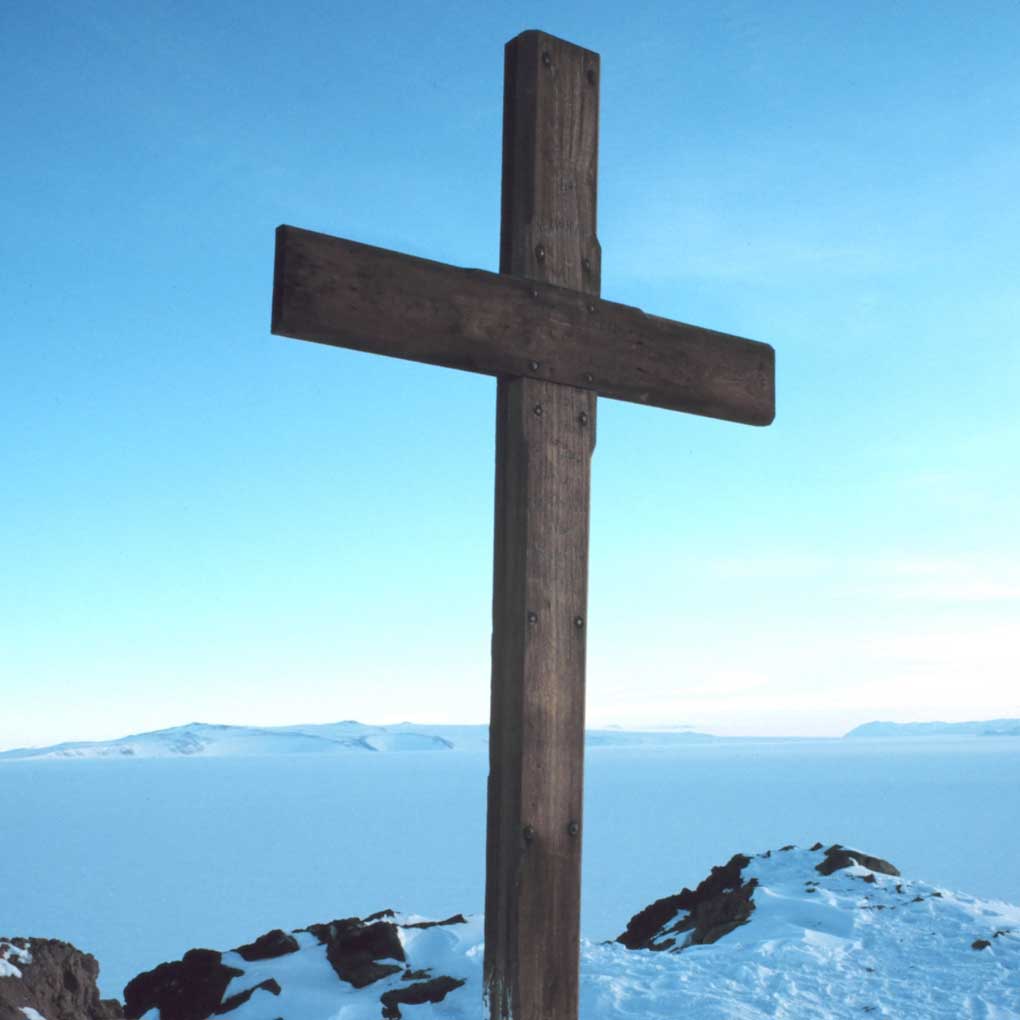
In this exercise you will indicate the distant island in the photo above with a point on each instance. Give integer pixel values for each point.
(984, 728)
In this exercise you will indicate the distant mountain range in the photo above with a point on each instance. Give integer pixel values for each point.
(207, 740)
(986, 728)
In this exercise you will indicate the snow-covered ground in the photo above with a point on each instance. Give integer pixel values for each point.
(137, 861)
(848, 945)
(810, 945)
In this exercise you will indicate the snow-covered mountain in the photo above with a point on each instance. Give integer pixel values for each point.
(817, 934)
(207, 740)
(219, 741)
(985, 728)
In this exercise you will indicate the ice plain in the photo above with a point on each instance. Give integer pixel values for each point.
(137, 861)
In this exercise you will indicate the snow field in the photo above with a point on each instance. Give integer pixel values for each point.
(845, 946)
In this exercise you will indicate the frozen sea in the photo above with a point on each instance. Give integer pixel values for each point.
(137, 861)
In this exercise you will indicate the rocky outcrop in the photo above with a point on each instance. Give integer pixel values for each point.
(722, 902)
(188, 989)
(355, 948)
(725, 900)
(50, 979)
(363, 954)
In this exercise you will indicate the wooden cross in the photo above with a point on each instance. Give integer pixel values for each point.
(540, 327)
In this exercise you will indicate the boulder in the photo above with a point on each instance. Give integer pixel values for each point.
(355, 947)
(54, 979)
(269, 946)
(837, 857)
(188, 989)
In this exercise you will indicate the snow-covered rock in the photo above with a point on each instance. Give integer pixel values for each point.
(794, 934)
(350, 968)
(44, 978)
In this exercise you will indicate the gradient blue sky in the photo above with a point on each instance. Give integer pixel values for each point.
(203, 521)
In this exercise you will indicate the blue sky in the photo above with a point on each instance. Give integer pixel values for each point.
(203, 521)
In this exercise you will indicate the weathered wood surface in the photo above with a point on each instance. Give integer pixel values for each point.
(542, 329)
(545, 433)
(353, 295)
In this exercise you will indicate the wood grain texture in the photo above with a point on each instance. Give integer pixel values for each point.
(545, 434)
(540, 326)
(536, 735)
(340, 292)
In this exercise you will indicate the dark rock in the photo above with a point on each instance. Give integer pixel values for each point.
(413, 995)
(188, 989)
(980, 944)
(269, 985)
(267, 947)
(59, 983)
(455, 919)
(353, 947)
(817, 846)
(721, 903)
(360, 951)
(837, 857)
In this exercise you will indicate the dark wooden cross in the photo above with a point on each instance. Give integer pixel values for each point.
(541, 328)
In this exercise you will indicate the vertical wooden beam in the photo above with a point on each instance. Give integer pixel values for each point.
(545, 434)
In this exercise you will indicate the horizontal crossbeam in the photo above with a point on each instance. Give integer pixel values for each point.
(339, 292)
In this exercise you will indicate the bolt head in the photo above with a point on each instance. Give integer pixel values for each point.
(578, 622)
(547, 59)
(588, 377)
(538, 410)
(528, 833)
(540, 252)
(533, 366)
(532, 617)
(573, 828)
(583, 417)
